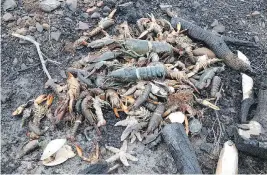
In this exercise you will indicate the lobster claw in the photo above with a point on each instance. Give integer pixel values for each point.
(40, 99)
(49, 100)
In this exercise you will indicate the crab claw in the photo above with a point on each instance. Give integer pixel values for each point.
(40, 99)
(49, 100)
(69, 75)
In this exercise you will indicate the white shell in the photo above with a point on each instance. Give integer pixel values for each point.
(247, 81)
(63, 154)
(228, 161)
(52, 147)
(177, 117)
(254, 129)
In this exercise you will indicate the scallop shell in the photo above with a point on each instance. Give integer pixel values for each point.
(178, 117)
(52, 148)
(63, 154)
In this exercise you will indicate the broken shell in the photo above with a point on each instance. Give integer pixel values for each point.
(63, 154)
(255, 128)
(228, 161)
(52, 148)
(247, 81)
(158, 91)
(178, 117)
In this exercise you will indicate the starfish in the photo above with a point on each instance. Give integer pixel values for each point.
(120, 154)
(133, 128)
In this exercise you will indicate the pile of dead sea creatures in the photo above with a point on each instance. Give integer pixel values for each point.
(154, 73)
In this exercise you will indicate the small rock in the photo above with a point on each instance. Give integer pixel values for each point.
(91, 10)
(19, 21)
(164, 6)
(62, 74)
(214, 23)
(100, 3)
(255, 13)
(263, 24)
(22, 31)
(83, 26)
(68, 19)
(30, 60)
(86, 1)
(256, 39)
(55, 35)
(203, 51)
(91, 3)
(53, 29)
(106, 9)
(46, 26)
(105, 14)
(9, 5)
(85, 15)
(59, 12)
(49, 5)
(39, 27)
(15, 62)
(219, 28)
(95, 15)
(72, 5)
(32, 29)
(8, 17)
(23, 66)
(11, 24)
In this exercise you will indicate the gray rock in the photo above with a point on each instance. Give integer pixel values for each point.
(23, 66)
(15, 62)
(11, 24)
(49, 5)
(39, 27)
(105, 14)
(256, 39)
(46, 26)
(53, 29)
(106, 9)
(95, 15)
(214, 23)
(21, 31)
(8, 17)
(62, 74)
(255, 13)
(55, 35)
(85, 15)
(219, 28)
(9, 5)
(19, 21)
(83, 26)
(32, 29)
(72, 5)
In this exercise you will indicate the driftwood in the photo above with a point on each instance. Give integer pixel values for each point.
(181, 149)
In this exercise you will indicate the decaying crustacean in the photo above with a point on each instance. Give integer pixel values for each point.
(73, 90)
(156, 118)
(114, 99)
(215, 86)
(152, 26)
(206, 77)
(142, 98)
(98, 111)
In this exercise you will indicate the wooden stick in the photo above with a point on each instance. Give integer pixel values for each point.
(38, 50)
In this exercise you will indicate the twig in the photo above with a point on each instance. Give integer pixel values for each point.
(51, 61)
(38, 50)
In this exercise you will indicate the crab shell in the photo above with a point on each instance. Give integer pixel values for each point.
(63, 154)
(247, 81)
(52, 148)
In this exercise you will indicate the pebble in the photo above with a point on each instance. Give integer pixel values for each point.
(219, 28)
(21, 31)
(83, 26)
(39, 27)
(32, 29)
(91, 10)
(8, 17)
(46, 26)
(91, 3)
(105, 14)
(100, 3)
(72, 5)
(95, 15)
(9, 5)
(62, 74)
(55, 35)
(214, 23)
(19, 21)
(106, 9)
(23, 66)
(85, 15)
(256, 39)
(53, 29)
(11, 24)
(255, 13)
(15, 61)
(49, 5)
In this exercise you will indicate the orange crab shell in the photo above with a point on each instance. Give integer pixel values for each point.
(49, 100)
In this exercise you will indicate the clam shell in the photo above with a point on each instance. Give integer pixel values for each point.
(52, 148)
(63, 154)
(178, 117)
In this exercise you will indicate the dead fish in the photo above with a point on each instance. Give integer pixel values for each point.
(228, 160)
